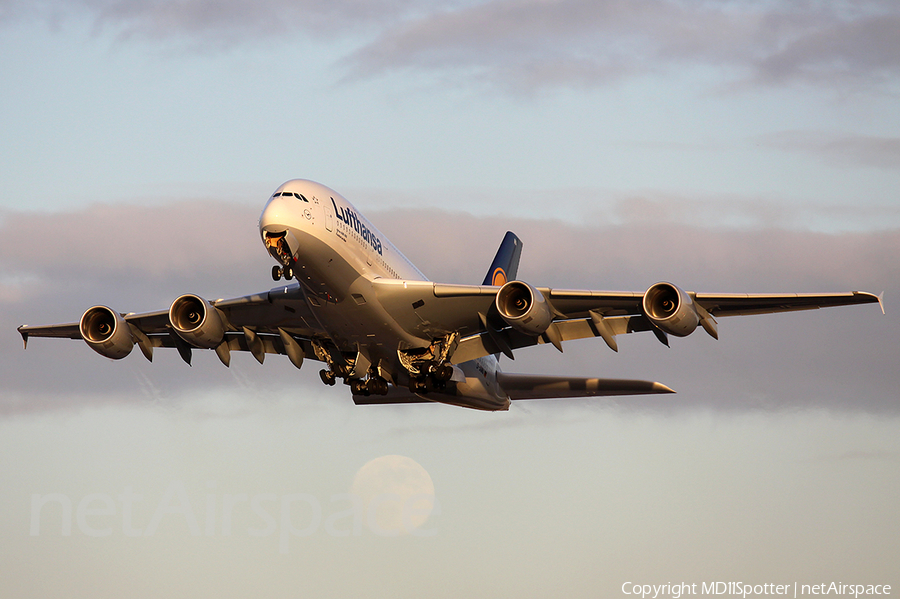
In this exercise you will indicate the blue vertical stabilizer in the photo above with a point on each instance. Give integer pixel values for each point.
(506, 263)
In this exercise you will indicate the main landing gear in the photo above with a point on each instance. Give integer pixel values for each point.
(374, 385)
(278, 272)
(433, 376)
(328, 377)
(371, 386)
(429, 367)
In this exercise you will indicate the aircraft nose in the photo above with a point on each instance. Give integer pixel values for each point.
(275, 230)
(275, 216)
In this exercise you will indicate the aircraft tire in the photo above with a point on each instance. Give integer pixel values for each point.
(327, 377)
(377, 386)
(443, 373)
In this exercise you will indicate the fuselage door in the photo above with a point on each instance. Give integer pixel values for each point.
(329, 217)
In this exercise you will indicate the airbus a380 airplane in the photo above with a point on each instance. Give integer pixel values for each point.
(355, 303)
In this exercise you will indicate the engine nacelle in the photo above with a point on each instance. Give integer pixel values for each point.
(670, 309)
(197, 321)
(106, 332)
(524, 308)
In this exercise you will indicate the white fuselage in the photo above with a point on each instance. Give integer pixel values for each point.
(336, 253)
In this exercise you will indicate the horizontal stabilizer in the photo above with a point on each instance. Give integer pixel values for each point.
(536, 386)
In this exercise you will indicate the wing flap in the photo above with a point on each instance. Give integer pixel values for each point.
(576, 302)
(271, 344)
(482, 344)
(428, 309)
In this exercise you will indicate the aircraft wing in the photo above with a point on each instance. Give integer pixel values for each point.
(58, 331)
(741, 304)
(262, 323)
(430, 309)
(280, 321)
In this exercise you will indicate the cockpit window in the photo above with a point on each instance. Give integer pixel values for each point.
(291, 194)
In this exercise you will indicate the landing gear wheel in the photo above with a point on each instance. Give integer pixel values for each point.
(359, 387)
(277, 273)
(327, 377)
(377, 386)
(421, 385)
(288, 273)
(443, 373)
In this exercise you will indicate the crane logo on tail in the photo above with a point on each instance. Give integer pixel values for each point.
(498, 279)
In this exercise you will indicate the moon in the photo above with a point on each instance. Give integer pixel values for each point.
(397, 494)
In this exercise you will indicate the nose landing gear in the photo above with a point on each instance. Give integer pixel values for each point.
(278, 272)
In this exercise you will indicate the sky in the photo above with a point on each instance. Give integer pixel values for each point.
(724, 146)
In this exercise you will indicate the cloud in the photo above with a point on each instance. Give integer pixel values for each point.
(860, 49)
(222, 24)
(180, 240)
(529, 45)
(568, 39)
(52, 267)
(538, 43)
(841, 149)
(637, 253)
(132, 259)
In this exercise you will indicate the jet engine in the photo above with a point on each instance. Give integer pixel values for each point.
(524, 308)
(670, 309)
(106, 332)
(197, 321)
